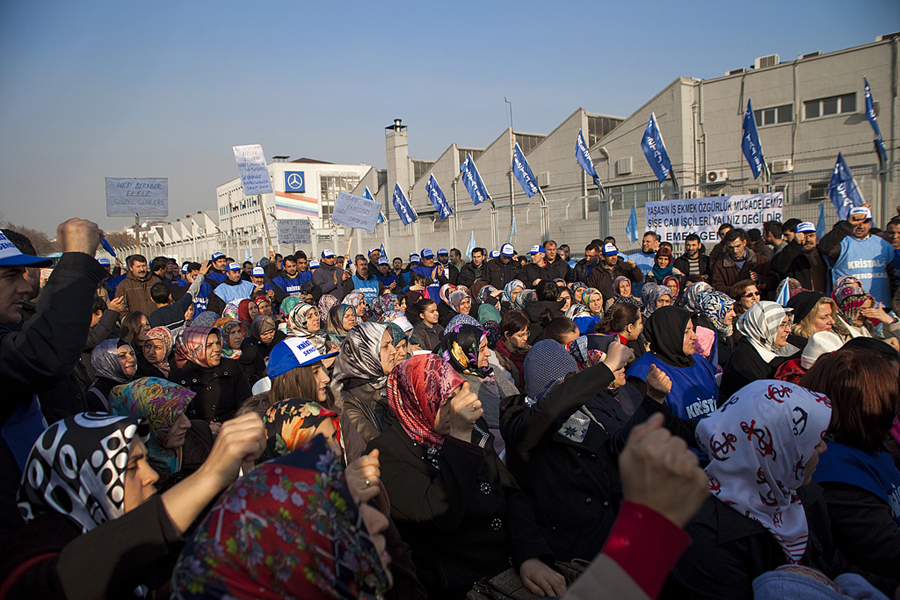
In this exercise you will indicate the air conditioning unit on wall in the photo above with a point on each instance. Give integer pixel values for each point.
(783, 166)
(717, 176)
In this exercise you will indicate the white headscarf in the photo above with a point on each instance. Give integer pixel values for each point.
(760, 325)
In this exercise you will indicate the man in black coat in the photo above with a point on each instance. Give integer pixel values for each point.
(693, 261)
(801, 259)
(613, 265)
(472, 270)
(502, 269)
(585, 266)
(559, 268)
(537, 269)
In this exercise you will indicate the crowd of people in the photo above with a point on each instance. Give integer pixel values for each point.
(721, 423)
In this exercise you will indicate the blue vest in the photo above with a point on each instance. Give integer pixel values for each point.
(369, 287)
(871, 471)
(694, 390)
(291, 285)
(216, 278)
(867, 260)
(235, 293)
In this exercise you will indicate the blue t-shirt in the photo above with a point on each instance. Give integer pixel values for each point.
(291, 285)
(868, 261)
(645, 262)
(694, 390)
(387, 280)
(369, 287)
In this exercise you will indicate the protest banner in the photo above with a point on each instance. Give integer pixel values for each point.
(137, 196)
(251, 163)
(674, 220)
(356, 211)
(294, 231)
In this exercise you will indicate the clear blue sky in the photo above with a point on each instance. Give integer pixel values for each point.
(164, 89)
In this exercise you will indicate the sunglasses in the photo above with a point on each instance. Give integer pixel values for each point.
(751, 295)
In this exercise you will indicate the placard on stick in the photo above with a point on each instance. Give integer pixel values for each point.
(294, 231)
(251, 164)
(356, 211)
(129, 196)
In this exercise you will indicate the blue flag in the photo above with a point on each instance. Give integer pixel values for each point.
(631, 226)
(512, 230)
(436, 195)
(383, 251)
(401, 205)
(820, 226)
(750, 143)
(107, 247)
(842, 190)
(472, 181)
(784, 294)
(367, 194)
(655, 150)
(523, 172)
(471, 245)
(583, 155)
(870, 115)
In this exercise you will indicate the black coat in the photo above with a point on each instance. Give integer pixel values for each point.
(220, 390)
(468, 274)
(728, 551)
(574, 487)
(494, 272)
(682, 263)
(791, 261)
(744, 366)
(463, 515)
(252, 360)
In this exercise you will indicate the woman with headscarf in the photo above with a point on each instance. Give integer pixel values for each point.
(326, 303)
(264, 305)
(265, 335)
(654, 297)
(670, 331)
(177, 446)
(247, 311)
(625, 320)
(220, 384)
(763, 511)
(232, 337)
(357, 300)
(380, 305)
(459, 303)
(761, 350)
(289, 529)
(674, 285)
(285, 309)
(303, 322)
(360, 373)
(715, 329)
(94, 525)
(153, 361)
(691, 294)
(863, 315)
(341, 319)
(451, 497)
(205, 319)
(563, 440)
(510, 292)
(114, 363)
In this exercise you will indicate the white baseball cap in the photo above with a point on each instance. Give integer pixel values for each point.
(507, 250)
(805, 227)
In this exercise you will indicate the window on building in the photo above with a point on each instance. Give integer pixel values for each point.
(775, 115)
(330, 186)
(637, 195)
(818, 191)
(833, 105)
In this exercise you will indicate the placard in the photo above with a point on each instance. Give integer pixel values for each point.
(294, 231)
(129, 196)
(355, 211)
(674, 220)
(251, 164)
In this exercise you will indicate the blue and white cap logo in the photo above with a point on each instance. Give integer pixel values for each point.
(861, 210)
(313, 264)
(216, 256)
(427, 253)
(327, 254)
(507, 250)
(234, 267)
(537, 249)
(292, 353)
(610, 249)
(258, 272)
(443, 252)
(805, 227)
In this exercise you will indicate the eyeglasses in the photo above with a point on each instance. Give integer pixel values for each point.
(752, 295)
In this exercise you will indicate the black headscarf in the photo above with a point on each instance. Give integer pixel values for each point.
(883, 348)
(803, 304)
(665, 329)
(460, 349)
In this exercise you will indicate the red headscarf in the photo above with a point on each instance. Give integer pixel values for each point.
(244, 312)
(416, 389)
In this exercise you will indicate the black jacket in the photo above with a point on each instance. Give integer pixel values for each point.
(791, 261)
(220, 390)
(533, 271)
(252, 360)
(468, 274)
(602, 278)
(682, 263)
(728, 551)
(745, 366)
(495, 272)
(560, 269)
(580, 270)
(463, 516)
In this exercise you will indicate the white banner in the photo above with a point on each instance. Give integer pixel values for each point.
(674, 220)
(355, 211)
(294, 231)
(251, 164)
(135, 195)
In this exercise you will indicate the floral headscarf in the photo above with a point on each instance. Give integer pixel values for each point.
(77, 468)
(205, 319)
(260, 300)
(326, 302)
(715, 306)
(231, 312)
(460, 349)
(226, 325)
(509, 288)
(354, 299)
(105, 360)
(159, 403)
(586, 296)
(524, 297)
(291, 424)
(484, 294)
(456, 299)
(586, 351)
(416, 389)
(297, 325)
(492, 328)
(381, 305)
(190, 344)
(650, 295)
(844, 281)
(850, 299)
(397, 318)
(287, 529)
(759, 443)
(165, 336)
(460, 320)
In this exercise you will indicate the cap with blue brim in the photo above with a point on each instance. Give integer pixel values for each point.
(293, 353)
(11, 257)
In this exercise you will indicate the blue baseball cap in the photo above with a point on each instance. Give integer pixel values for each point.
(494, 254)
(805, 227)
(292, 353)
(507, 250)
(537, 249)
(233, 267)
(414, 258)
(427, 253)
(383, 261)
(216, 256)
(104, 261)
(184, 268)
(11, 257)
(371, 250)
(258, 272)
(610, 249)
(313, 264)
(327, 254)
(443, 252)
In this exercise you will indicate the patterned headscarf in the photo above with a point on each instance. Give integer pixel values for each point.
(578, 310)
(297, 325)
(77, 468)
(621, 300)
(354, 299)
(460, 349)
(484, 294)
(190, 344)
(262, 324)
(844, 281)
(492, 328)
(446, 290)
(577, 288)
(165, 336)
(226, 325)
(105, 360)
(287, 529)
(759, 443)
(509, 288)
(360, 356)
(231, 312)
(381, 305)
(260, 300)
(416, 389)
(666, 281)
(291, 424)
(586, 296)
(205, 319)
(290, 302)
(692, 293)
(326, 302)
(397, 318)
(589, 350)
(714, 306)
(760, 325)
(547, 364)
(460, 320)
(524, 297)
(159, 403)
(650, 295)
(850, 299)
(616, 283)
(456, 299)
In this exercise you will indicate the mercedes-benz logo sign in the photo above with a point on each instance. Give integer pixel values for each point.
(295, 181)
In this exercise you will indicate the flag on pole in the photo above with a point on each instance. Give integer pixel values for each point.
(631, 227)
(583, 155)
(523, 172)
(383, 251)
(436, 195)
(512, 230)
(471, 245)
(842, 190)
(784, 294)
(870, 115)
(472, 180)
(655, 150)
(402, 206)
(820, 226)
(368, 195)
(750, 143)
(107, 247)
